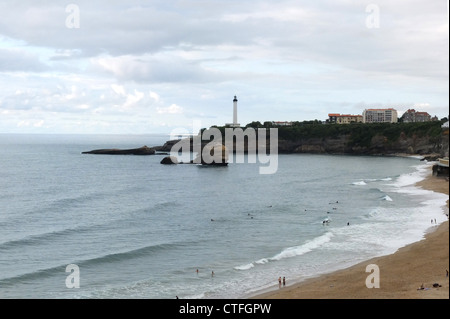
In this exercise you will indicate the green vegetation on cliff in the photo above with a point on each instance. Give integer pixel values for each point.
(358, 138)
(359, 134)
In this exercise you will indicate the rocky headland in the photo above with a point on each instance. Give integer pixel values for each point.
(144, 150)
(428, 140)
(425, 139)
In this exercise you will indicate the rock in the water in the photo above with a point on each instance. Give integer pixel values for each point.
(216, 154)
(211, 154)
(144, 150)
(169, 160)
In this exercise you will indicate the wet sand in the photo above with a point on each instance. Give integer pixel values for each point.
(401, 274)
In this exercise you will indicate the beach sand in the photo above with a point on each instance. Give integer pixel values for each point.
(400, 274)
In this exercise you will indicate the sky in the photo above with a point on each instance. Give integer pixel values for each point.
(155, 66)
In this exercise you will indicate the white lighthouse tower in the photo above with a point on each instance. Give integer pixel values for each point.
(235, 120)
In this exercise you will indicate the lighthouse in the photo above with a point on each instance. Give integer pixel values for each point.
(235, 122)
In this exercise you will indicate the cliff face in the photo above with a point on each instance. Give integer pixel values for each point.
(379, 145)
(387, 140)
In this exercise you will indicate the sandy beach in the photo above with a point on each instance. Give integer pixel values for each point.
(400, 274)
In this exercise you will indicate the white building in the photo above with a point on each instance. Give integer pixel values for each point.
(235, 117)
(380, 116)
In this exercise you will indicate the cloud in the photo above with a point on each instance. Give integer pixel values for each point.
(155, 96)
(33, 123)
(140, 61)
(153, 69)
(133, 99)
(173, 109)
(118, 89)
(270, 11)
(16, 60)
(421, 105)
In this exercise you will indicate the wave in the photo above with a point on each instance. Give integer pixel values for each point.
(262, 261)
(37, 274)
(108, 258)
(387, 198)
(133, 253)
(55, 235)
(411, 179)
(245, 267)
(291, 251)
(305, 248)
(76, 200)
(37, 239)
(370, 180)
(379, 179)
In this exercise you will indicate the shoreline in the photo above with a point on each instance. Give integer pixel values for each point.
(401, 273)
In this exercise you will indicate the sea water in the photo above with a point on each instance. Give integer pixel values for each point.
(133, 228)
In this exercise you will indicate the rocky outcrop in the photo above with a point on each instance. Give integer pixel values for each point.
(144, 150)
(169, 160)
(357, 140)
(167, 147)
(214, 154)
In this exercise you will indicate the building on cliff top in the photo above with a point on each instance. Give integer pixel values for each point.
(380, 116)
(344, 118)
(414, 116)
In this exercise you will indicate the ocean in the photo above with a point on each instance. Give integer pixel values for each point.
(88, 226)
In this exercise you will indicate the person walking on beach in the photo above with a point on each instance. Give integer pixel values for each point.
(279, 282)
(284, 281)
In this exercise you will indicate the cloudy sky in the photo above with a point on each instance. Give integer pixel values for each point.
(158, 65)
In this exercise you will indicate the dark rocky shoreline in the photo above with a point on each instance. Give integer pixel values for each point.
(430, 148)
(144, 150)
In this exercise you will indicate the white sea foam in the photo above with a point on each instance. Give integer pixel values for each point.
(387, 227)
(424, 210)
(291, 251)
(199, 296)
(245, 267)
(414, 177)
(359, 183)
(261, 261)
(304, 248)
